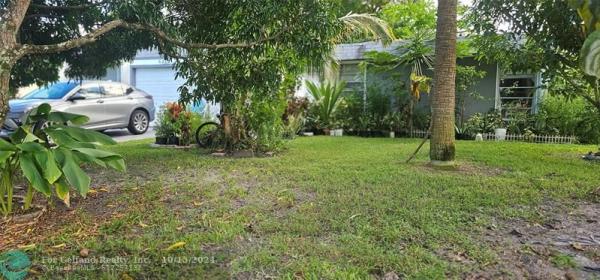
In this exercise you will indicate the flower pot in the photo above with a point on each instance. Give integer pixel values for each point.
(338, 132)
(161, 140)
(332, 132)
(500, 134)
(392, 134)
(479, 137)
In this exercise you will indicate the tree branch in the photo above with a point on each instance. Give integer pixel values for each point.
(74, 43)
(165, 37)
(94, 35)
(67, 8)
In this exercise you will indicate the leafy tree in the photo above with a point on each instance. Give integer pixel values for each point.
(536, 35)
(246, 81)
(38, 36)
(411, 18)
(345, 7)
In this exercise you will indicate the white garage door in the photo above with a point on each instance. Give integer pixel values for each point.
(159, 82)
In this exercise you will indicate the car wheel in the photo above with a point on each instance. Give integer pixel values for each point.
(139, 122)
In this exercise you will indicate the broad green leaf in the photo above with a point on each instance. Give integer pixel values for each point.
(44, 108)
(63, 118)
(33, 175)
(4, 155)
(6, 146)
(89, 136)
(590, 54)
(31, 147)
(74, 174)
(62, 190)
(115, 162)
(62, 138)
(23, 135)
(18, 136)
(89, 159)
(59, 155)
(98, 153)
(50, 170)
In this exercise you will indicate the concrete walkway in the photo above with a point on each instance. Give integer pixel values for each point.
(122, 135)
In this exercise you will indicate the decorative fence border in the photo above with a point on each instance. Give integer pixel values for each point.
(545, 139)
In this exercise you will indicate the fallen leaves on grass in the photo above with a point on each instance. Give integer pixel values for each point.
(175, 246)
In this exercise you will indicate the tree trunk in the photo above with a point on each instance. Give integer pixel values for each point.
(9, 53)
(227, 130)
(4, 93)
(442, 150)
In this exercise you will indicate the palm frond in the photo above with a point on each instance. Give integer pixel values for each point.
(368, 25)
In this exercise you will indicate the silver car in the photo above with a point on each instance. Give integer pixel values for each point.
(108, 105)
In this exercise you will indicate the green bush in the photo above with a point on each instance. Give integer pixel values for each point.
(557, 115)
(484, 123)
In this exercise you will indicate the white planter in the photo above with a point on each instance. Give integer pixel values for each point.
(392, 134)
(332, 132)
(500, 134)
(338, 132)
(479, 137)
(309, 134)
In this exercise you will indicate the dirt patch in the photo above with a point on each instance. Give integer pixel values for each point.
(466, 168)
(99, 204)
(566, 245)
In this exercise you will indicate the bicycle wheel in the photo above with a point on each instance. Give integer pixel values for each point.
(207, 135)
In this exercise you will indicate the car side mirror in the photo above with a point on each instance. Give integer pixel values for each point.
(129, 90)
(76, 97)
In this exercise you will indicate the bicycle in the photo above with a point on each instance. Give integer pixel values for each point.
(209, 135)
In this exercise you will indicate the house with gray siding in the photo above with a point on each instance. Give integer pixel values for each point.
(498, 90)
(151, 73)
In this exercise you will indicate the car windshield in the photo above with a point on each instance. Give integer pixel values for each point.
(53, 91)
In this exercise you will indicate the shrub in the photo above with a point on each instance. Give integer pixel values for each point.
(558, 115)
(174, 120)
(49, 153)
(483, 123)
(165, 126)
(327, 97)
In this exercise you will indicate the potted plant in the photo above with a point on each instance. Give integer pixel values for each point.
(493, 122)
(499, 127)
(462, 133)
(338, 131)
(162, 128)
(392, 121)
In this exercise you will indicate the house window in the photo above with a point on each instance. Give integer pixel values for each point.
(354, 78)
(517, 93)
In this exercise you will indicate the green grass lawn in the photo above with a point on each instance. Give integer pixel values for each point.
(326, 208)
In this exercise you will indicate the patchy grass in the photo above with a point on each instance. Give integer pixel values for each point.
(564, 261)
(327, 208)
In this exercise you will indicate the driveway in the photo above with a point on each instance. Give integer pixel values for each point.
(123, 135)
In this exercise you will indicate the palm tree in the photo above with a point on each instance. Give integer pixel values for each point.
(363, 25)
(442, 149)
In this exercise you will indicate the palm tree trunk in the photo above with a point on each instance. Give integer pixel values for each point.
(442, 149)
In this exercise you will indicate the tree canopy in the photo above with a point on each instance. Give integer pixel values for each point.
(536, 35)
(411, 18)
(53, 22)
